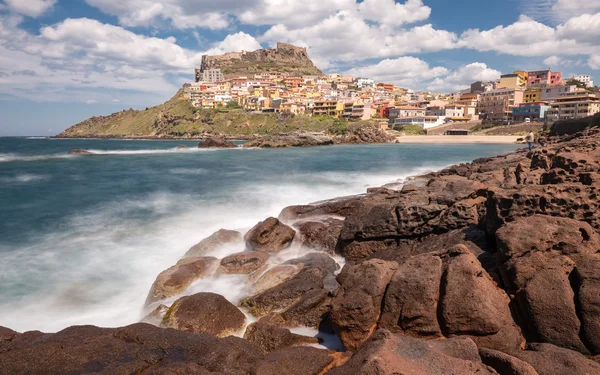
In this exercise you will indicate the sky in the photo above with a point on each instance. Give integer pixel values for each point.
(62, 61)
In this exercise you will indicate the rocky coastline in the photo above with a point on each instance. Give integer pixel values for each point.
(490, 267)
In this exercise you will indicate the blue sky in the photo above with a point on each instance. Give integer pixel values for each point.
(62, 61)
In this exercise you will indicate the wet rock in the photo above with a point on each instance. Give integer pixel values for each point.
(285, 294)
(296, 361)
(218, 239)
(129, 350)
(206, 313)
(548, 359)
(388, 354)
(356, 307)
(215, 142)
(182, 148)
(156, 316)
(178, 278)
(310, 311)
(243, 263)
(315, 260)
(505, 364)
(320, 235)
(270, 338)
(79, 152)
(340, 207)
(274, 277)
(270, 236)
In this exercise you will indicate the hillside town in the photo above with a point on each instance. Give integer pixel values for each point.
(536, 96)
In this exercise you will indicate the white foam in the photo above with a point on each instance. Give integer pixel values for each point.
(23, 178)
(99, 267)
(7, 158)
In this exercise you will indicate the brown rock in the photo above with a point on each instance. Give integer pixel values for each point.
(310, 311)
(356, 308)
(320, 235)
(505, 364)
(270, 338)
(79, 152)
(548, 359)
(215, 142)
(243, 263)
(388, 354)
(274, 277)
(178, 278)
(269, 236)
(182, 148)
(471, 304)
(412, 297)
(129, 350)
(207, 313)
(296, 361)
(218, 239)
(340, 207)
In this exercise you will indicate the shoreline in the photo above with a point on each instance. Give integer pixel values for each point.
(483, 139)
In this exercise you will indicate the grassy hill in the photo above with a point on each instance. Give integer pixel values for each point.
(177, 118)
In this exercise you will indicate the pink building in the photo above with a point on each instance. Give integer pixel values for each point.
(545, 77)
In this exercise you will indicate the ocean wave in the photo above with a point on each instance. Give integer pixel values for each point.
(7, 158)
(157, 151)
(23, 178)
(189, 171)
(36, 138)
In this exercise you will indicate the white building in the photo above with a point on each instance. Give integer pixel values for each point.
(584, 78)
(364, 82)
(212, 75)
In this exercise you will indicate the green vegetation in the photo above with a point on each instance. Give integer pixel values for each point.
(412, 130)
(178, 118)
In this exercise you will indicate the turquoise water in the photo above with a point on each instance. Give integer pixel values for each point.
(82, 238)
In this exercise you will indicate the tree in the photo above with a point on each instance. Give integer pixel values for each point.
(232, 105)
(574, 82)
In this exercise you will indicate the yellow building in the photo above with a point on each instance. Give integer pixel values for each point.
(532, 96)
(510, 81)
(523, 76)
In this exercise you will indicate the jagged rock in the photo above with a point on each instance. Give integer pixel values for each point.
(548, 359)
(340, 207)
(80, 152)
(315, 260)
(214, 241)
(243, 263)
(270, 338)
(356, 307)
(366, 135)
(214, 142)
(291, 140)
(285, 294)
(505, 364)
(274, 277)
(296, 361)
(539, 251)
(320, 235)
(207, 313)
(388, 354)
(129, 350)
(178, 278)
(270, 236)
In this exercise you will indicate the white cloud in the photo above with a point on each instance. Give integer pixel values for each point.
(91, 101)
(31, 8)
(464, 76)
(350, 38)
(404, 71)
(528, 37)
(185, 14)
(83, 59)
(557, 11)
(594, 62)
(235, 42)
(552, 61)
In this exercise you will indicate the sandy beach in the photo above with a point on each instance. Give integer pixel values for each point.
(490, 139)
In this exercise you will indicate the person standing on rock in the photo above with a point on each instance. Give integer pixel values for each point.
(530, 139)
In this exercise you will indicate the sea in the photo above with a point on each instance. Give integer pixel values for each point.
(83, 237)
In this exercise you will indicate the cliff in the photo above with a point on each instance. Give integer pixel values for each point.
(286, 58)
(177, 118)
(489, 267)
